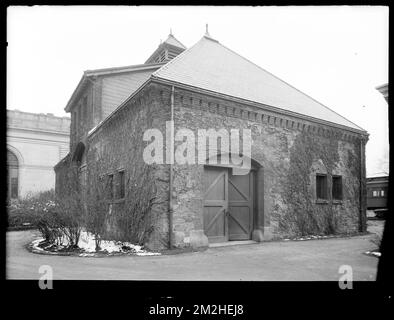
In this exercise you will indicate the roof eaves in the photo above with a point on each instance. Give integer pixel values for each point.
(260, 105)
(384, 177)
(114, 70)
(75, 93)
(291, 86)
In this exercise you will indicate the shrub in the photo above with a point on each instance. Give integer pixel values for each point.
(135, 220)
(127, 220)
(24, 211)
(70, 208)
(97, 206)
(57, 217)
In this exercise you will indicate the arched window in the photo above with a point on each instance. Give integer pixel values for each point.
(79, 158)
(13, 175)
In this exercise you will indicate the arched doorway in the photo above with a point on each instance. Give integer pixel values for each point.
(79, 153)
(79, 159)
(13, 176)
(231, 201)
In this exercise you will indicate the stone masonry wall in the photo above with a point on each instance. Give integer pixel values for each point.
(291, 152)
(119, 143)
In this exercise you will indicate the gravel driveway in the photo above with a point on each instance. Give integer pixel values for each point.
(274, 261)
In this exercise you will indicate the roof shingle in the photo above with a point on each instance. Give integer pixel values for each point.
(211, 66)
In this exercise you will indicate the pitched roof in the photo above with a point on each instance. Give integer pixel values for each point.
(211, 66)
(171, 44)
(174, 41)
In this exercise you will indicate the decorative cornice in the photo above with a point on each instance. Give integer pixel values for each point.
(37, 167)
(278, 111)
(38, 130)
(270, 118)
(260, 113)
(11, 138)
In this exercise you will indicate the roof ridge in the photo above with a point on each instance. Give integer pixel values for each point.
(289, 85)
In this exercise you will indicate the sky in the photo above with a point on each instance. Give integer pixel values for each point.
(336, 54)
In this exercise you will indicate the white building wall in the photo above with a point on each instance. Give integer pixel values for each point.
(37, 149)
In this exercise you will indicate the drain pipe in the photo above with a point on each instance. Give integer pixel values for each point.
(362, 226)
(170, 211)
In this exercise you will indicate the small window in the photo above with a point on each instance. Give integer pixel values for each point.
(375, 193)
(382, 193)
(110, 186)
(337, 188)
(321, 186)
(121, 185)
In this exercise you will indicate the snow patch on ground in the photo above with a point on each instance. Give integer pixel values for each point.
(308, 238)
(87, 244)
(35, 244)
(373, 253)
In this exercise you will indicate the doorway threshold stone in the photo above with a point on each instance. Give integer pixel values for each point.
(231, 243)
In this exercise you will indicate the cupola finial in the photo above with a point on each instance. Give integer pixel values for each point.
(171, 32)
(206, 30)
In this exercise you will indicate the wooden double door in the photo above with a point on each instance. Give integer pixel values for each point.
(228, 204)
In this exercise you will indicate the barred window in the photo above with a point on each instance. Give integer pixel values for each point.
(321, 186)
(337, 188)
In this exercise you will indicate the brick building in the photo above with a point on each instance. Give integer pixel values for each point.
(35, 143)
(307, 161)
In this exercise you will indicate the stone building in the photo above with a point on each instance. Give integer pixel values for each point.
(307, 162)
(35, 143)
